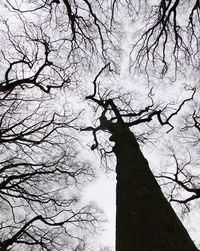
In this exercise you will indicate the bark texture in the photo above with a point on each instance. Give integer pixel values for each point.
(145, 221)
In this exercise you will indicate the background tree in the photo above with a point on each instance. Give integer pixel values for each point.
(168, 38)
(40, 170)
(83, 32)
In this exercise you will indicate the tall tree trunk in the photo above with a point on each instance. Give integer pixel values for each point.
(145, 220)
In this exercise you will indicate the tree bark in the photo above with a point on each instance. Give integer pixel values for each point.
(145, 221)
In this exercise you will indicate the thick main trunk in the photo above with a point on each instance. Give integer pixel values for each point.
(145, 220)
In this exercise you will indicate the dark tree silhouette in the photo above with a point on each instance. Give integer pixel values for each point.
(144, 219)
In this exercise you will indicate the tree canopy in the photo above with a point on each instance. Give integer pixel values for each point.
(64, 62)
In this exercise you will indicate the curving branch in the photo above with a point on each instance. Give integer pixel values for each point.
(82, 215)
(36, 74)
(186, 183)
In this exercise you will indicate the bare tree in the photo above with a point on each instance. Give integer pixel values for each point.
(83, 31)
(40, 171)
(169, 36)
(144, 220)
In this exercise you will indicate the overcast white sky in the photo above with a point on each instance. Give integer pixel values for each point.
(102, 192)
